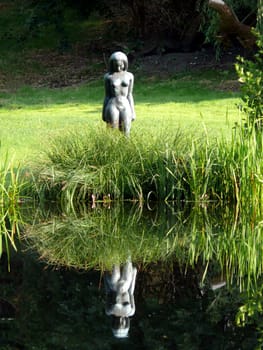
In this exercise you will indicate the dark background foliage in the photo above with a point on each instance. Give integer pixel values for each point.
(166, 25)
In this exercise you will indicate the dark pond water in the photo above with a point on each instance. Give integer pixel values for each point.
(197, 286)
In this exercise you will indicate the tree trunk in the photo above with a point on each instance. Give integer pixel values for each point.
(230, 25)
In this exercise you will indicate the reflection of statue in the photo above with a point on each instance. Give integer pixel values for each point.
(120, 304)
(118, 108)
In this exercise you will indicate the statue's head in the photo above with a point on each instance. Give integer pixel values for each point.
(120, 326)
(119, 59)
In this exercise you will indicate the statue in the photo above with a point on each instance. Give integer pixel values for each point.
(119, 286)
(118, 107)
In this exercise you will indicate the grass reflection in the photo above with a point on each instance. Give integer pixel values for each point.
(100, 238)
(228, 240)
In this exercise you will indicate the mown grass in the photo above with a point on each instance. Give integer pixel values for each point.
(30, 117)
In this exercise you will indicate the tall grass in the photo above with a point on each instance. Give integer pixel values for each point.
(105, 163)
(10, 196)
(169, 166)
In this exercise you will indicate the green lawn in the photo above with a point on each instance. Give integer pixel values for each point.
(29, 117)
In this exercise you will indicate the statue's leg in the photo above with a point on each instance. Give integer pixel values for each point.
(112, 278)
(127, 271)
(127, 128)
(116, 274)
(126, 122)
(134, 274)
(126, 278)
(112, 115)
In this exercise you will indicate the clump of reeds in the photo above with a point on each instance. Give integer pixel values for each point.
(167, 166)
(105, 163)
(10, 196)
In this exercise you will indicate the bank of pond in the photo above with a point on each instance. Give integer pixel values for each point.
(185, 212)
(171, 165)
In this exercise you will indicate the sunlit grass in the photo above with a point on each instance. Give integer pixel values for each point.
(11, 185)
(162, 165)
(31, 116)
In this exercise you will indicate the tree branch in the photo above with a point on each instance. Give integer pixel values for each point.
(230, 26)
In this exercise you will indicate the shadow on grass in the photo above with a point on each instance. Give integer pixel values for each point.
(182, 89)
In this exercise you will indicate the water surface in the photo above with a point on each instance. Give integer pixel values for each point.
(198, 283)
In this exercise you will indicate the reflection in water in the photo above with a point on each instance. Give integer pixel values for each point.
(179, 253)
(171, 313)
(228, 241)
(120, 305)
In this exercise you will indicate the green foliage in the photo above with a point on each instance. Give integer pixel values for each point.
(11, 186)
(245, 10)
(43, 24)
(260, 17)
(60, 24)
(210, 27)
(43, 14)
(250, 74)
(251, 310)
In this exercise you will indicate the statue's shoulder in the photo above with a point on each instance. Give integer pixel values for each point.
(107, 76)
(130, 75)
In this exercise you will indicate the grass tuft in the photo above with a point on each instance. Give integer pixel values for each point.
(11, 186)
(161, 166)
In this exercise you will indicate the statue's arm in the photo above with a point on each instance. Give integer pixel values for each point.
(131, 291)
(132, 286)
(133, 309)
(107, 96)
(130, 95)
(107, 283)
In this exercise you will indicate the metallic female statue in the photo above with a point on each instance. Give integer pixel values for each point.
(120, 305)
(118, 108)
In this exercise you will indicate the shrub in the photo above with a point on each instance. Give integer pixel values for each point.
(250, 74)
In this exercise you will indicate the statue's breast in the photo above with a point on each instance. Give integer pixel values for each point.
(125, 83)
(116, 83)
(120, 83)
